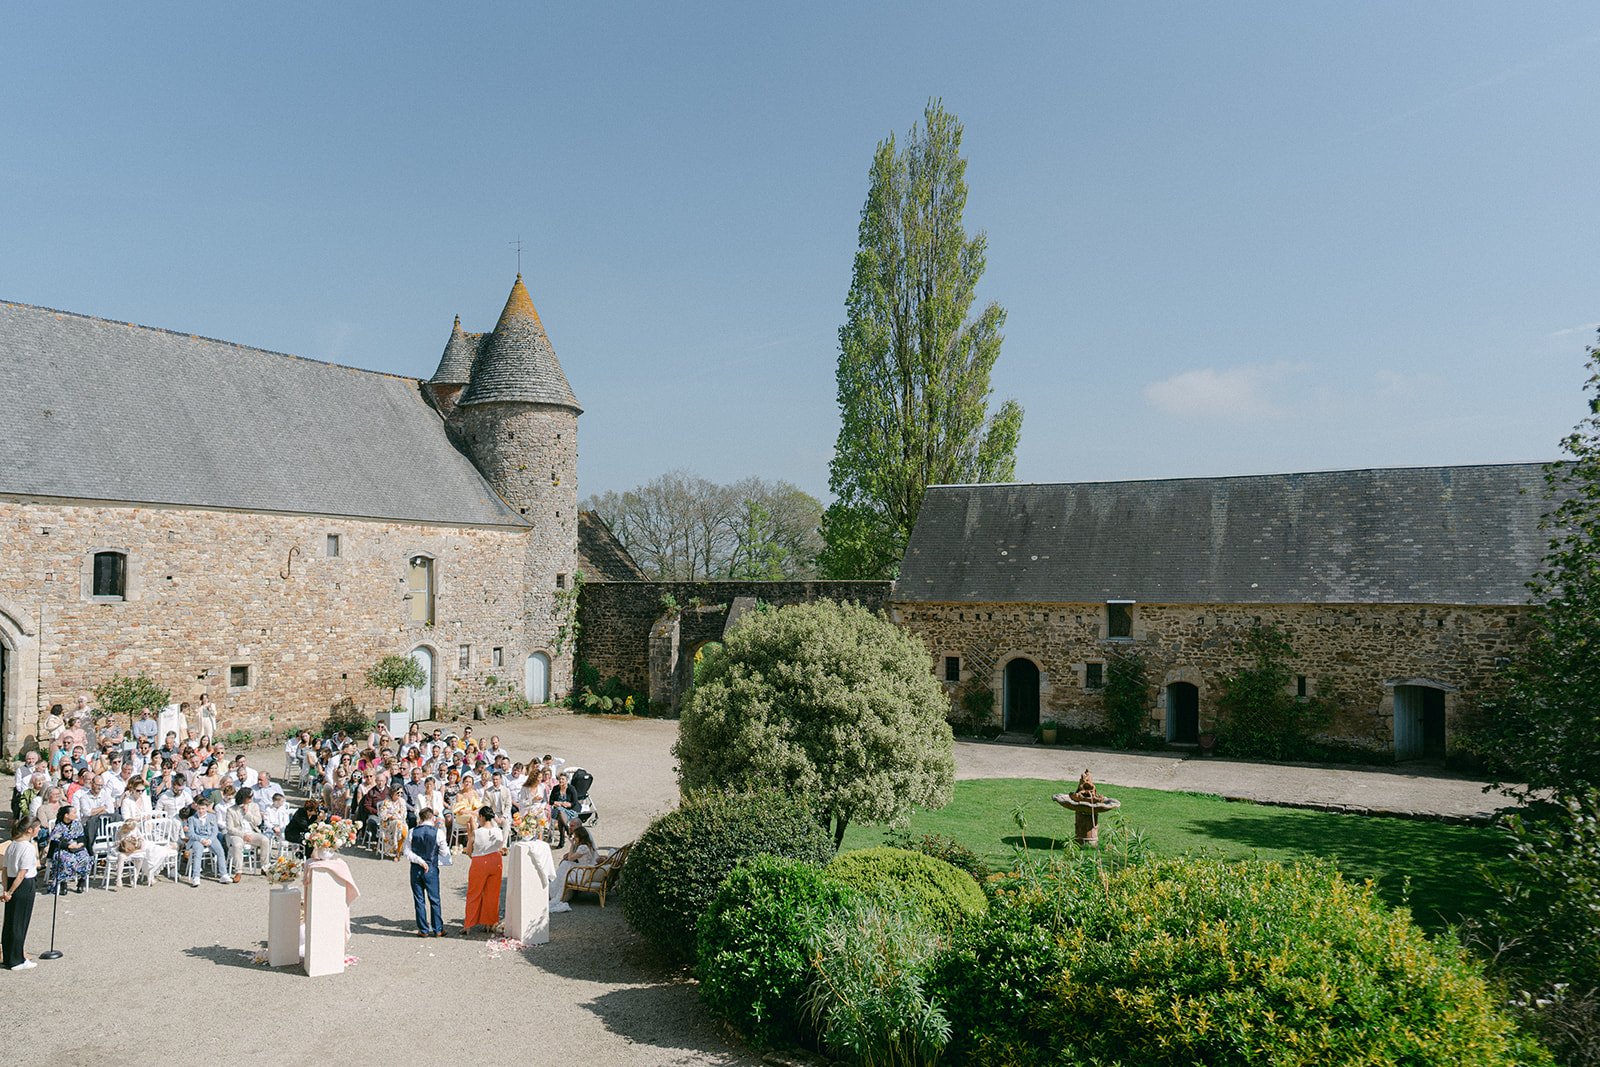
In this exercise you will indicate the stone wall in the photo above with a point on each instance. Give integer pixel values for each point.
(1354, 654)
(209, 590)
(616, 617)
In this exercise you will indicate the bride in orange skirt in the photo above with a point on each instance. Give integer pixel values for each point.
(483, 877)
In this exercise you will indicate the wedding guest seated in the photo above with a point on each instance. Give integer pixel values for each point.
(201, 835)
(70, 860)
(243, 823)
(147, 856)
(135, 806)
(583, 853)
(274, 821)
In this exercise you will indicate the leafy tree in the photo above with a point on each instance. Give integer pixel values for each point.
(1543, 725)
(828, 701)
(395, 673)
(913, 374)
(682, 527)
(129, 695)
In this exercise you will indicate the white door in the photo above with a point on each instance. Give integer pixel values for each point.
(538, 687)
(419, 701)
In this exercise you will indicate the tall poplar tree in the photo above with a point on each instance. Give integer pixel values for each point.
(914, 368)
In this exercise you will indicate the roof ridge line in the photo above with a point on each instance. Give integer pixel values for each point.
(207, 337)
(1240, 477)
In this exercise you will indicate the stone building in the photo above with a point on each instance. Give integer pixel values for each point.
(263, 527)
(1400, 591)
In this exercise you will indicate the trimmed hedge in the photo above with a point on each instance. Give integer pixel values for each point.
(941, 892)
(753, 959)
(679, 862)
(1188, 961)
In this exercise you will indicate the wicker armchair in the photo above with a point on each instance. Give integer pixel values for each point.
(597, 878)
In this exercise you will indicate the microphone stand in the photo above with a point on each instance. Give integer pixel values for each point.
(55, 907)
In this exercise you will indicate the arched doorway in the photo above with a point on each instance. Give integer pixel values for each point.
(1021, 696)
(419, 701)
(537, 679)
(1419, 731)
(1183, 713)
(19, 678)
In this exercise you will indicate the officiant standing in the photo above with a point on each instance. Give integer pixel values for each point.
(424, 847)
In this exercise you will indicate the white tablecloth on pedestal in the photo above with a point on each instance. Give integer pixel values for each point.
(528, 892)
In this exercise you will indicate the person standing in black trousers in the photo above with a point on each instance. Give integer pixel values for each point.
(21, 869)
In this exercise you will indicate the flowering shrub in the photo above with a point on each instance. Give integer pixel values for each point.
(1194, 961)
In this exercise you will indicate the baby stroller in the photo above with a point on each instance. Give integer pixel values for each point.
(581, 804)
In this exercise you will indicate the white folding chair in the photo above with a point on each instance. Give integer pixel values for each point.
(104, 851)
(166, 831)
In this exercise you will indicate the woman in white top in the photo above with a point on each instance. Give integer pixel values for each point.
(483, 878)
(136, 807)
(582, 853)
(22, 869)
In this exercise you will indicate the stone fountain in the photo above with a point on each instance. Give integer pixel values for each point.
(1087, 803)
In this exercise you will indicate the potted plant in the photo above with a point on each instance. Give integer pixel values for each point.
(1047, 731)
(395, 673)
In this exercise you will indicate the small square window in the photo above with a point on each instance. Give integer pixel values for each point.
(239, 676)
(499, 657)
(464, 657)
(333, 546)
(952, 668)
(1119, 618)
(561, 581)
(1094, 675)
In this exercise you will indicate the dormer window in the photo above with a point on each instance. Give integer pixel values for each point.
(1119, 619)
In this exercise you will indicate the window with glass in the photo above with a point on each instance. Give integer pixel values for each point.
(110, 575)
(420, 589)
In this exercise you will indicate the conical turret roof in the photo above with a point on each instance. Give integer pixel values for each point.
(455, 366)
(516, 363)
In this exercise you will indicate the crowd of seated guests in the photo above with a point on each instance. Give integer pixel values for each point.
(140, 803)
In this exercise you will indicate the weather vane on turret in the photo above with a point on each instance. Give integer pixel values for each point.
(517, 244)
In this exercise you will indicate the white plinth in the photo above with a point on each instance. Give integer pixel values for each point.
(283, 926)
(327, 917)
(528, 892)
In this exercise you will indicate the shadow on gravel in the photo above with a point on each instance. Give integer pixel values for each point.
(225, 955)
(383, 926)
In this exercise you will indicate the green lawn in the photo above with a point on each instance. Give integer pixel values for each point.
(1441, 861)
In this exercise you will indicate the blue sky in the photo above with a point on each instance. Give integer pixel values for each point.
(1231, 238)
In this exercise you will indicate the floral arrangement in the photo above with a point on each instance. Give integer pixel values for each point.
(530, 825)
(284, 870)
(334, 833)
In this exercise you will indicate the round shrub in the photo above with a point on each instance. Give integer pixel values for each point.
(1185, 962)
(676, 866)
(753, 958)
(942, 893)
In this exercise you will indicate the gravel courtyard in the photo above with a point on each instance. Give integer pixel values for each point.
(168, 970)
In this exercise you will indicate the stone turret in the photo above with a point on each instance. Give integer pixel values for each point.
(517, 420)
(455, 368)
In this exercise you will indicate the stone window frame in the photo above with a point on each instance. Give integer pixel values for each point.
(1084, 676)
(132, 575)
(942, 666)
(249, 669)
(463, 657)
(333, 545)
(435, 582)
(497, 657)
(1133, 618)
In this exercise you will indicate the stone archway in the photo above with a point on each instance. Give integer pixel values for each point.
(19, 678)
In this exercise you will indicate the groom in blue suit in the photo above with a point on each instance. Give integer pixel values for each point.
(423, 846)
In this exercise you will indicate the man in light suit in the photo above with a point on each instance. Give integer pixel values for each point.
(423, 848)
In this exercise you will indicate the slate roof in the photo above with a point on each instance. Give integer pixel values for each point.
(99, 410)
(460, 352)
(601, 556)
(1423, 535)
(516, 362)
